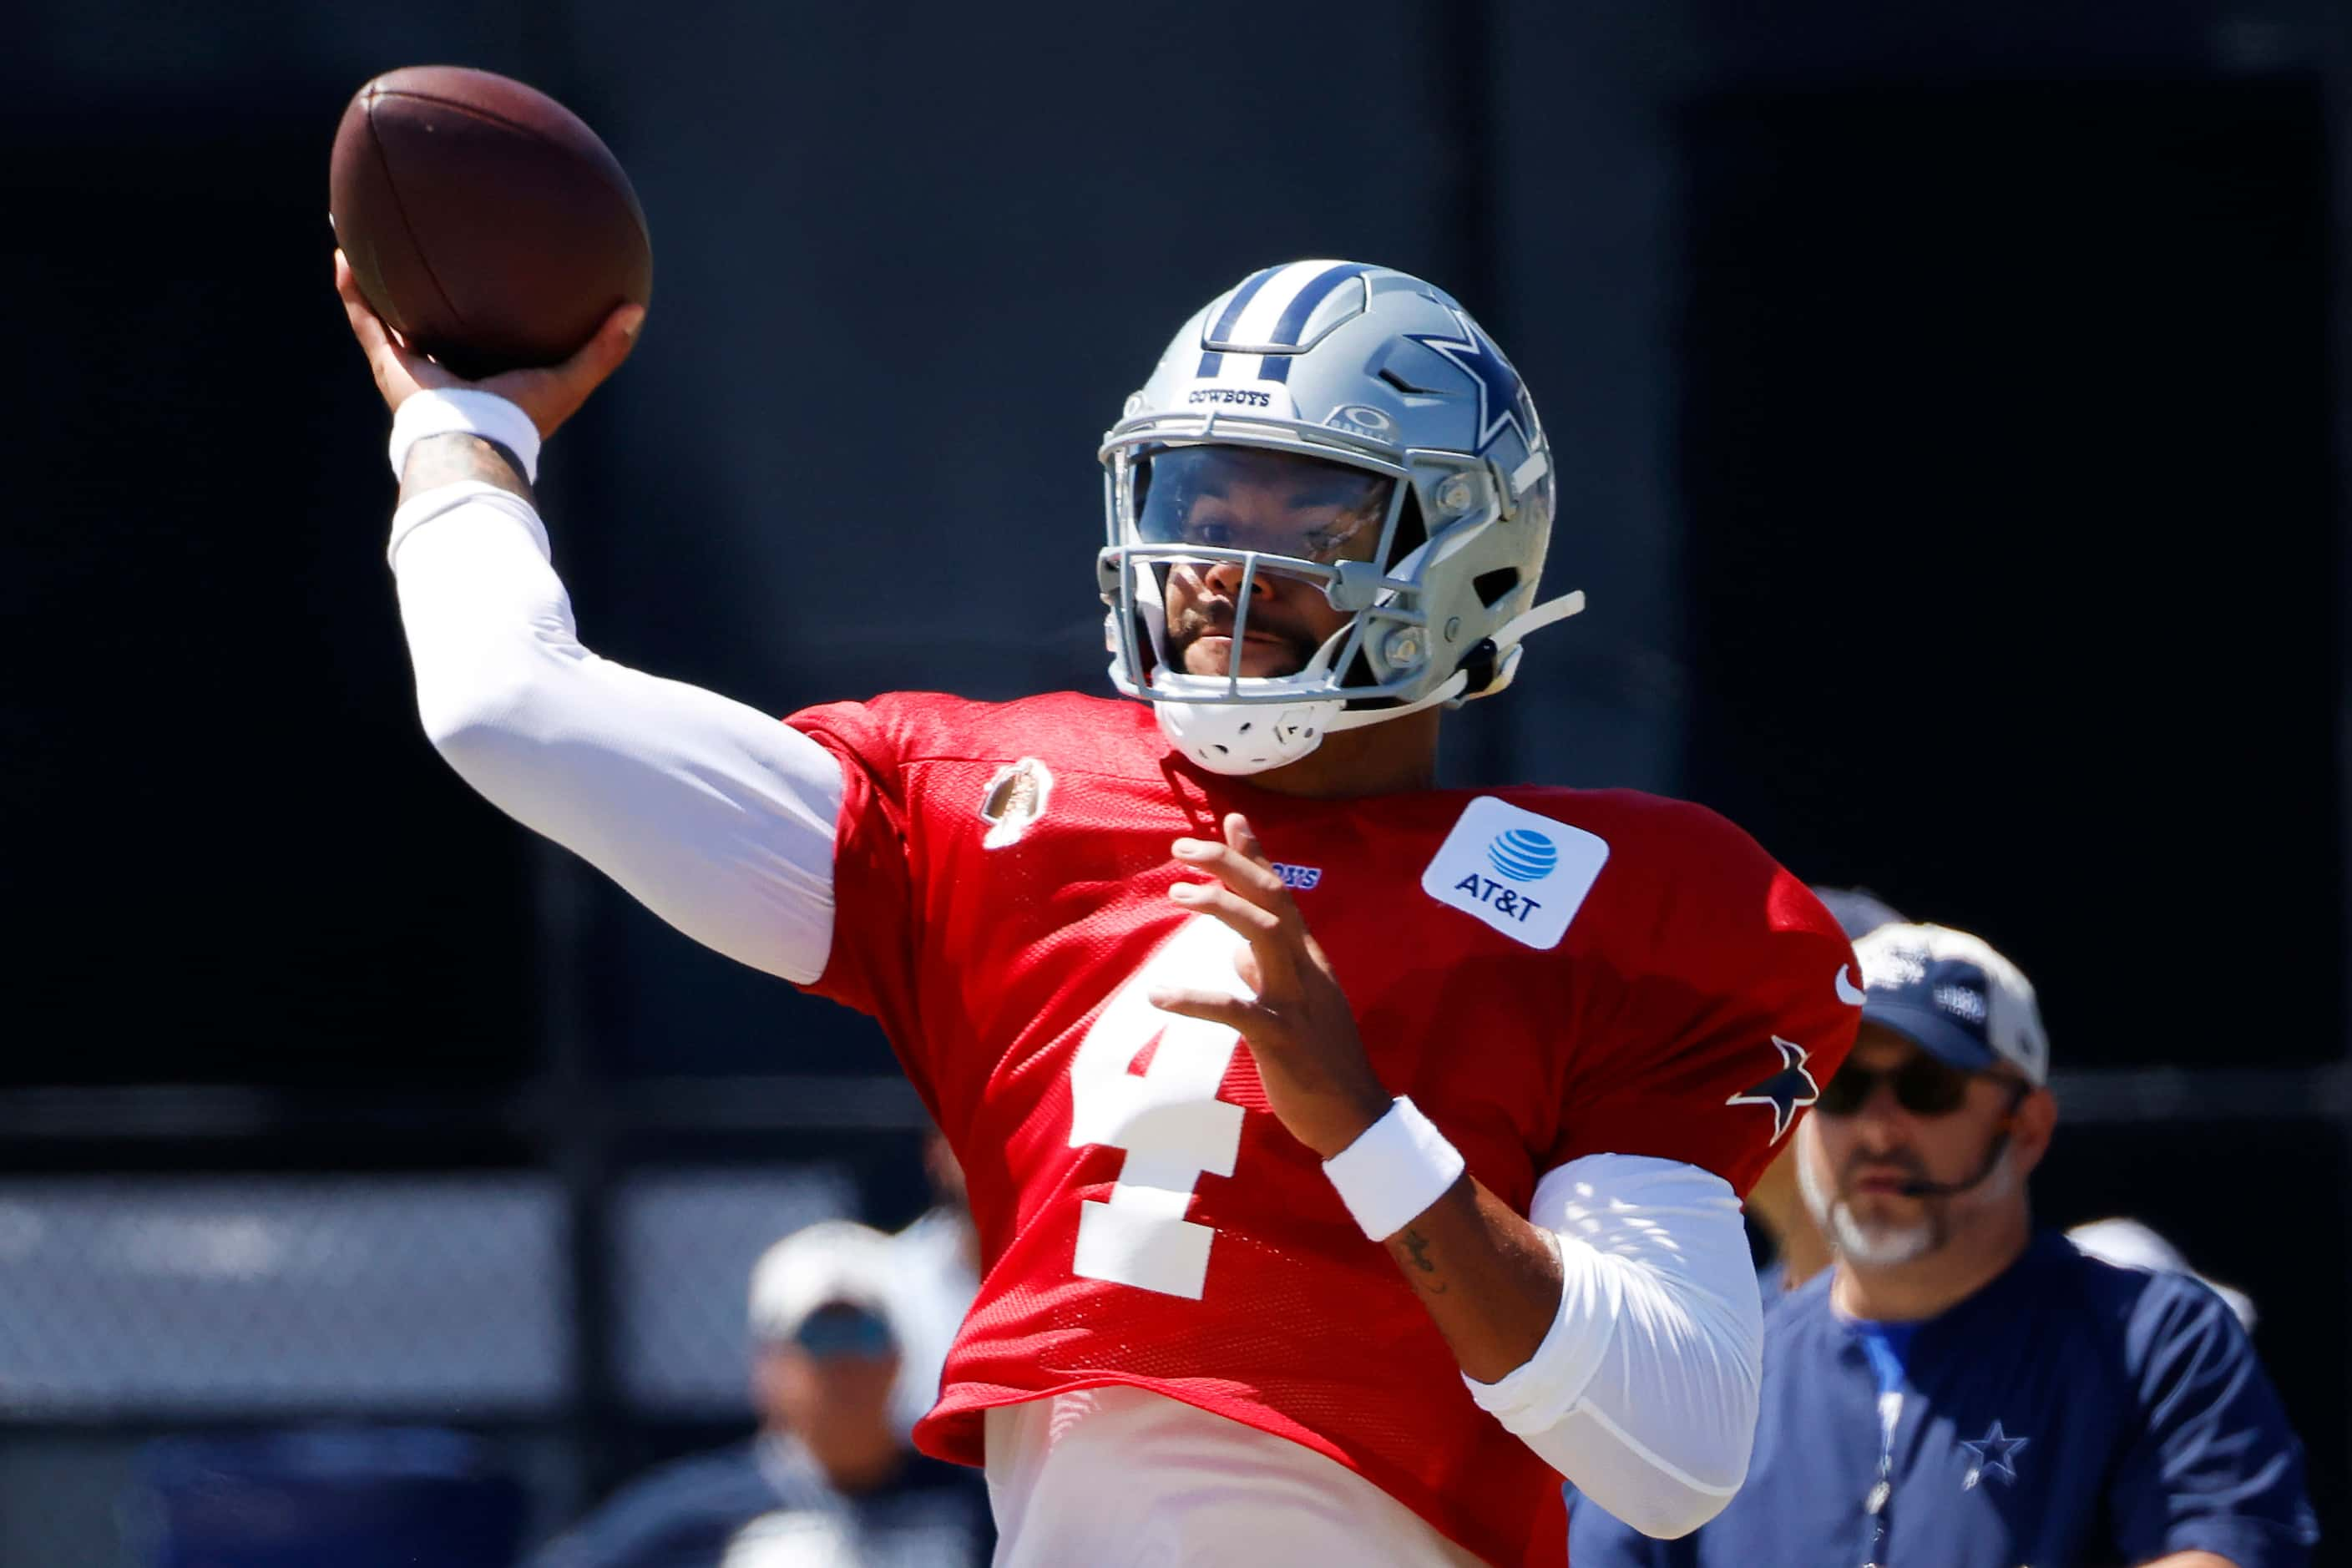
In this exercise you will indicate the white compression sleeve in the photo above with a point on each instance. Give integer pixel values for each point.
(714, 816)
(1644, 1392)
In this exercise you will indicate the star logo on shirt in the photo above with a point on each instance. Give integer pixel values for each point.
(1787, 1091)
(1990, 1456)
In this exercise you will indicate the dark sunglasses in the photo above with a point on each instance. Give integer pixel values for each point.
(844, 1330)
(1923, 1086)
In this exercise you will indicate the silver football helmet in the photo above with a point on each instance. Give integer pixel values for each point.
(1411, 491)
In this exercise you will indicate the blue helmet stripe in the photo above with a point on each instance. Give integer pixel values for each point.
(1213, 361)
(1239, 302)
(1302, 304)
(1292, 322)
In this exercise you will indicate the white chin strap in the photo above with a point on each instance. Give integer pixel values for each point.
(1237, 739)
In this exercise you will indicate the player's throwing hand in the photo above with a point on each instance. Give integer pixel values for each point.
(1318, 1082)
(550, 396)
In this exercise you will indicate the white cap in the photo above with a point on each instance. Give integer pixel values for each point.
(1954, 997)
(2131, 1244)
(832, 1261)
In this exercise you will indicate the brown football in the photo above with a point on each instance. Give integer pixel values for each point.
(484, 221)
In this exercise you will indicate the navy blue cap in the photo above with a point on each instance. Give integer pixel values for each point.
(1954, 997)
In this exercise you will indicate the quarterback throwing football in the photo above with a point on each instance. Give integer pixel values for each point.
(1352, 1158)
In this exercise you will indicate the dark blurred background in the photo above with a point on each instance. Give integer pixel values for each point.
(1952, 413)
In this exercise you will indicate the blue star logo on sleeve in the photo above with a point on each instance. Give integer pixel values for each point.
(1475, 355)
(1787, 1091)
(1990, 1456)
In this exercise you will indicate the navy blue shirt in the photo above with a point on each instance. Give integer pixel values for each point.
(688, 1515)
(2070, 1411)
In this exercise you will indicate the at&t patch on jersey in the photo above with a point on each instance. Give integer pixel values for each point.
(1523, 873)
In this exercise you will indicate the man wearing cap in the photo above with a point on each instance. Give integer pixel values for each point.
(1961, 1390)
(828, 1481)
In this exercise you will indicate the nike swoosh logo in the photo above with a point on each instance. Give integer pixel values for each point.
(1848, 992)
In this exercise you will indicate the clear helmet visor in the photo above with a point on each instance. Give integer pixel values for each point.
(1272, 503)
(1234, 551)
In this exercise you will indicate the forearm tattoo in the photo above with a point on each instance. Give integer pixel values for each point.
(440, 460)
(1415, 1247)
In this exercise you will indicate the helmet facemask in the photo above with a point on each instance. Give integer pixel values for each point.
(1339, 453)
(1246, 577)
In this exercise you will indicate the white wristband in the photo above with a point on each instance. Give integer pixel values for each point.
(464, 411)
(1399, 1166)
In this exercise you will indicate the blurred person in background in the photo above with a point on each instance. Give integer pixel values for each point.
(938, 1262)
(1352, 1158)
(2128, 1243)
(1961, 1389)
(1799, 1250)
(828, 1481)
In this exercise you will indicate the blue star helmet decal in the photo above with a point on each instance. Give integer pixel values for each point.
(1991, 1454)
(1474, 354)
(1787, 1091)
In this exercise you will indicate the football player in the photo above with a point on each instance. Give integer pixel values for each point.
(1351, 1158)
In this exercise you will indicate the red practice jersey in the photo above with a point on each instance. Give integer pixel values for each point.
(1548, 972)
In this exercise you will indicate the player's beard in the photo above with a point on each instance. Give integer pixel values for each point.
(1191, 625)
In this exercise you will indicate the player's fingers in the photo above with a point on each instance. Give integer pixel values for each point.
(397, 371)
(1244, 1016)
(1316, 956)
(555, 394)
(600, 355)
(365, 324)
(570, 382)
(1259, 883)
(1253, 921)
(1277, 943)
(1242, 838)
(1243, 847)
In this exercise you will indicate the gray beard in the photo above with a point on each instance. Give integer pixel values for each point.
(1871, 1246)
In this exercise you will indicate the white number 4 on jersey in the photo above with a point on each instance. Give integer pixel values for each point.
(1168, 1117)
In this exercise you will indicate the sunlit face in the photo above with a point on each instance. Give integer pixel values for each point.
(1854, 1168)
(1240, 499)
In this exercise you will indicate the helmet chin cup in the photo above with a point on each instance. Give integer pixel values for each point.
(1236, 740)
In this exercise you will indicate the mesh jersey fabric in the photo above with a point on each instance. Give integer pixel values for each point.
(989, 956)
